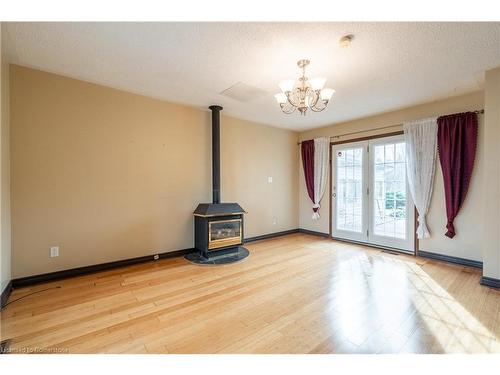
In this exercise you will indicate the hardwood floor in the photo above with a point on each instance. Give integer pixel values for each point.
(294, 294)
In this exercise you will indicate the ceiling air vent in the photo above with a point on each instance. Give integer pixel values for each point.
(243, 92)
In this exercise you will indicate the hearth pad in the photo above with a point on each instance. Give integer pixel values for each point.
(219, 257)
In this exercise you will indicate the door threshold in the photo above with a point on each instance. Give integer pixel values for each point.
(387, 249)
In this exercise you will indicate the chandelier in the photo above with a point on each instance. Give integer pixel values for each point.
(306, 94)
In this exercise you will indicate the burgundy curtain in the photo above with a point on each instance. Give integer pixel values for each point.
(307, 151)
(457, 139)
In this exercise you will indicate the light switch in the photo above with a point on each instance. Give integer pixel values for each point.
(54, 251)
(269, 180)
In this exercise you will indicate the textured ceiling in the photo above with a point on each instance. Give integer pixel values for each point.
(388, 65)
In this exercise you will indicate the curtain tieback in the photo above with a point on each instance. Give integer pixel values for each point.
(451, 230)
(422, 230)
(315, 215)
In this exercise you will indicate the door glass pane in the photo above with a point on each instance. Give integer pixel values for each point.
(400, 152)
(349, 215)
(389, 198)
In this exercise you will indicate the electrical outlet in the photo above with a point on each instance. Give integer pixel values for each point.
(269, 179)
(156, 257)
(275, 220)
(54, 251)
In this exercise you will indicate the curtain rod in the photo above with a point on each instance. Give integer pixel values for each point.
(478, 112)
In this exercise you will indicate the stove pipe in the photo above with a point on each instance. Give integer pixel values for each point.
(215, 153)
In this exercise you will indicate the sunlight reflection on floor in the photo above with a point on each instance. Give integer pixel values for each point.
(394, 305)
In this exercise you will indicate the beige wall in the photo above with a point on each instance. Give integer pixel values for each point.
(109, 175)
(5, 255)
(467, 243)
(491, 184)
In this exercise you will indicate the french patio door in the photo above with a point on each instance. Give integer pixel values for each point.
(370, 198)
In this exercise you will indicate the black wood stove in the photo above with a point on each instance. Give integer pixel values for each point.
(218, 227)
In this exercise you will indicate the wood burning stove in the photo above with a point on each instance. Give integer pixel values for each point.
(218, 227)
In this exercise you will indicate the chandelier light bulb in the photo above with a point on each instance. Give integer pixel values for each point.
(281, 98)
(317, 83)
(326, 94)
(287, 85)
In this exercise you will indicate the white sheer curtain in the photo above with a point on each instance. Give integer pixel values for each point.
(421, 141)
(321, 146)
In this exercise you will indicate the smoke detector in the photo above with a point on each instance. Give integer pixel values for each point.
(345, 41)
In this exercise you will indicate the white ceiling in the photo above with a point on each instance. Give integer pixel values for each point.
(388, 65)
